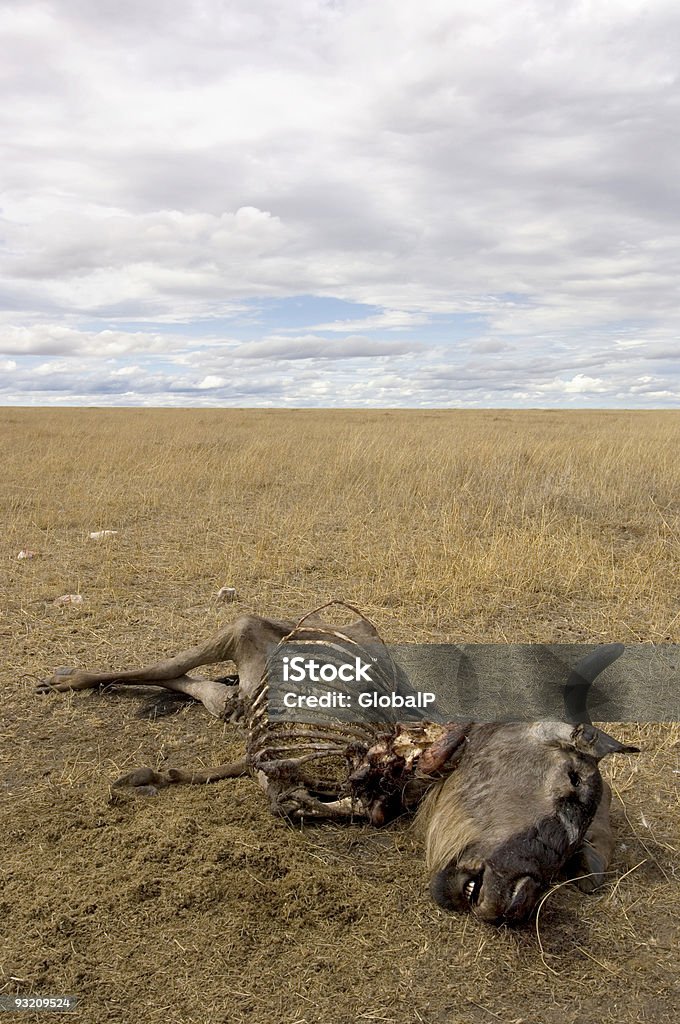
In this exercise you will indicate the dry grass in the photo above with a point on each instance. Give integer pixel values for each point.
(481, 526)
(533, 526)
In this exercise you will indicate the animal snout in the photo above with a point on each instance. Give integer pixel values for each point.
(490, 895)
(507, 900)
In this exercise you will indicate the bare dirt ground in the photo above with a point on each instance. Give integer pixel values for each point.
(198, 906)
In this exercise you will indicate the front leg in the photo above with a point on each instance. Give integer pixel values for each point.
(300, 804)
(297, 803)
(146, 781)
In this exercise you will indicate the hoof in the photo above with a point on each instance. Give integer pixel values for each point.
(57, 682)
(142, 779)
(234, 709)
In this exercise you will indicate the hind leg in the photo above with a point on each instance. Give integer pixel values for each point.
(220, 648)
(245, 642)
(219, 699)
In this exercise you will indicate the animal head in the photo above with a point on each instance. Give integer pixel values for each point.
(513, 811)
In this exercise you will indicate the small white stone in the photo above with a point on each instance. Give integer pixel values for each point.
(26, 553)
(69, 599)
(227, 594)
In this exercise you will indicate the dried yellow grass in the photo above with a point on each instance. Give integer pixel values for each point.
(441, 526)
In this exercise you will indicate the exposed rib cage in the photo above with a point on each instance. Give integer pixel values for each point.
(279, 747)
(382, 768)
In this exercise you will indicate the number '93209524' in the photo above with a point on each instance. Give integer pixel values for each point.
(37, 1004)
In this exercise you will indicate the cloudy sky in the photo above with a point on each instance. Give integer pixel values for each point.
(340, 202)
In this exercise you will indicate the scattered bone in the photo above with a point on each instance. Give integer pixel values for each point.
(66, 599)
(26, 553)
(101, 534)
(227, 594)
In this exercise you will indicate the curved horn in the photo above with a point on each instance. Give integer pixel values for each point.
(598, 744)
(581, 679)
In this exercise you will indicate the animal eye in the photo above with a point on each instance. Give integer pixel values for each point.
(574, 777)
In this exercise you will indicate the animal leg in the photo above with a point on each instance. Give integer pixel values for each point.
(147, 781)
(298, 803)
(592, 858)
(220, 648)
(220, 699)
(246, 642)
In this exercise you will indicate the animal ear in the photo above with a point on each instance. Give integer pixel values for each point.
(443, 755)
(589, 740)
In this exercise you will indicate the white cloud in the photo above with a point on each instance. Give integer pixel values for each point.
(43, 338)
(311, 347)
(511, 163)
(581, 383)
(389, 319)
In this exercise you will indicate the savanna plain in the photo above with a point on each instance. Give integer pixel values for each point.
(197, 905)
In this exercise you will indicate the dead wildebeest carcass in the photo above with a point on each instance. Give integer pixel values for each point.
(505, 808)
